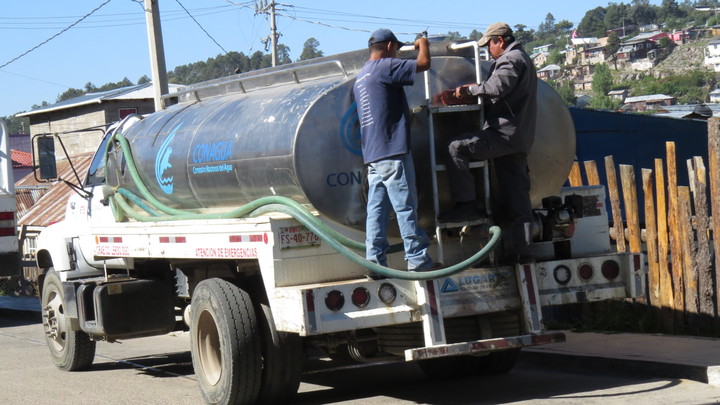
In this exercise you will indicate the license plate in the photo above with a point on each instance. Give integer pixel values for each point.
(297, 236)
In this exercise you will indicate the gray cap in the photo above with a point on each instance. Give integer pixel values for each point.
(495, 29)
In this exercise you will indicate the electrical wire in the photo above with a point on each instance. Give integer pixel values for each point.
(208, 34)
(55, 36)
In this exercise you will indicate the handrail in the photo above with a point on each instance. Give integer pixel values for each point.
(241, 82)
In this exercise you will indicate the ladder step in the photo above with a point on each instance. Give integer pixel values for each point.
(472, 165)
(456, 108)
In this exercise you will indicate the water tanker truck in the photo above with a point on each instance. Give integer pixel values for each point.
(238, 212)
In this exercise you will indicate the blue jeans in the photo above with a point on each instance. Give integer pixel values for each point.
(392, 185)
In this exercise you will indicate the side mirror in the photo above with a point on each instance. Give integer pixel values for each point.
(46, 170)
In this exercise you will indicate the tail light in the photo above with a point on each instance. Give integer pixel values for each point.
(585, 271)
(387, 293)
(562, 274)
(610, 269)
(360, 297)
(7, 223)
(334, 300)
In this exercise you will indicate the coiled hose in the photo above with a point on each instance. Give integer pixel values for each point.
(157, 211)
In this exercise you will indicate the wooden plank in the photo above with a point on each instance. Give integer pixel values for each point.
(703, 258)
(676, 258)
(651, 240)
(666, 292)
(591, 172)
(615, 204)
(714, 156)
(575, 178)
(627, 177)
(687, 244)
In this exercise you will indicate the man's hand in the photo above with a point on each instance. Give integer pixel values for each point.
(461, 91)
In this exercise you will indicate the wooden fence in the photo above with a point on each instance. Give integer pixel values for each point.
(683, 284)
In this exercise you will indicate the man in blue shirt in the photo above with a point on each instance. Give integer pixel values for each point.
(385, 136)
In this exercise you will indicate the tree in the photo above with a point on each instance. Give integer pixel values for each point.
(642, 12)
(453, 36)
(283, 54)
(68, 94)
(310, 49)
(521, 35)
(476, 35)
(592, 24)
(613, 43)
(602, 80)
(89, 87)
(547, 27)
(566, 90)
(144, 79)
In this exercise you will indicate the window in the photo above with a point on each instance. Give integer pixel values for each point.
(124, 112)
(96, 172)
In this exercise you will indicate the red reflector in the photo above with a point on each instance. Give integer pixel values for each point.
(610, 269)
(636, 262)
(7, 231)
(334, 300)
(7, 215)
(360, 297)
(585, 272)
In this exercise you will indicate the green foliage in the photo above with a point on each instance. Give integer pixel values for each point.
(566, 90)
(17, 125)
(602, 80)
(600, 102)
(310, 49)
(689, 88)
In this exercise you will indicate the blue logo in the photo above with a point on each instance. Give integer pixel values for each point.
(449, 286)
(162, 163)
(350, 130)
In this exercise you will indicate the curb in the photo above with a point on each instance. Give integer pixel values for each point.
(647, 368)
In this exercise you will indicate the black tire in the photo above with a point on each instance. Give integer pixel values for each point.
(70, 350)
(225, 343)
(282, 361)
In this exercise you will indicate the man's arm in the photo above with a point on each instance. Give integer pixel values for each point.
(502, 80)
(423, 58)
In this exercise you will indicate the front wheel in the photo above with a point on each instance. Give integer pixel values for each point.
(225, 342)
(70, 350)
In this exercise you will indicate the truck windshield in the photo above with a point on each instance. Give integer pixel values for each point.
(96, 172)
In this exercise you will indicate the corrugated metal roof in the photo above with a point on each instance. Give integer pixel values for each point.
(137, 92)
(651, 97)
(50, 208)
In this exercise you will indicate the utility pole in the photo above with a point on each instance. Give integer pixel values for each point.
(157, 52)
(263, 7)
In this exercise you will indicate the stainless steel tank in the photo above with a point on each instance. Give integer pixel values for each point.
(292, 131)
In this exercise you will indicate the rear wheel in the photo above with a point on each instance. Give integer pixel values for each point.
(282, 361)
(225, 342)
(70, 350)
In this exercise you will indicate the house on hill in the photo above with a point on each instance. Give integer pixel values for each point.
(83, 119)
(639, 46)
(549, 72)
(648, 103)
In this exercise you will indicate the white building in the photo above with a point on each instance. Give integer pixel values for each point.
(712, 55)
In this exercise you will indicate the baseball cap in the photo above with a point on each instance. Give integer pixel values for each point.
(495, 29)
(382, 35)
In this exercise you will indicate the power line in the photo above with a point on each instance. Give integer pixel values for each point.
(207, 33)
(54, 36)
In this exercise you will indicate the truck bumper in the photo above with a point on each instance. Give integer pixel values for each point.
(483, 346)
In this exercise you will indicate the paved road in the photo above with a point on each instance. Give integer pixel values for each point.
(158, 370)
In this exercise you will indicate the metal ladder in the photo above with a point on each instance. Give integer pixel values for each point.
(428, 295)
(436, 168)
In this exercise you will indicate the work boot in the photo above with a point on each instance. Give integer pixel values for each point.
(462, 212)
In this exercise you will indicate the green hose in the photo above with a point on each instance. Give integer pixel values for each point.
(262, 206)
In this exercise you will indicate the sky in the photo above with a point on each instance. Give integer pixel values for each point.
(49, 46)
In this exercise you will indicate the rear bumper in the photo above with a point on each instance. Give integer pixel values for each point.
(483, 346)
